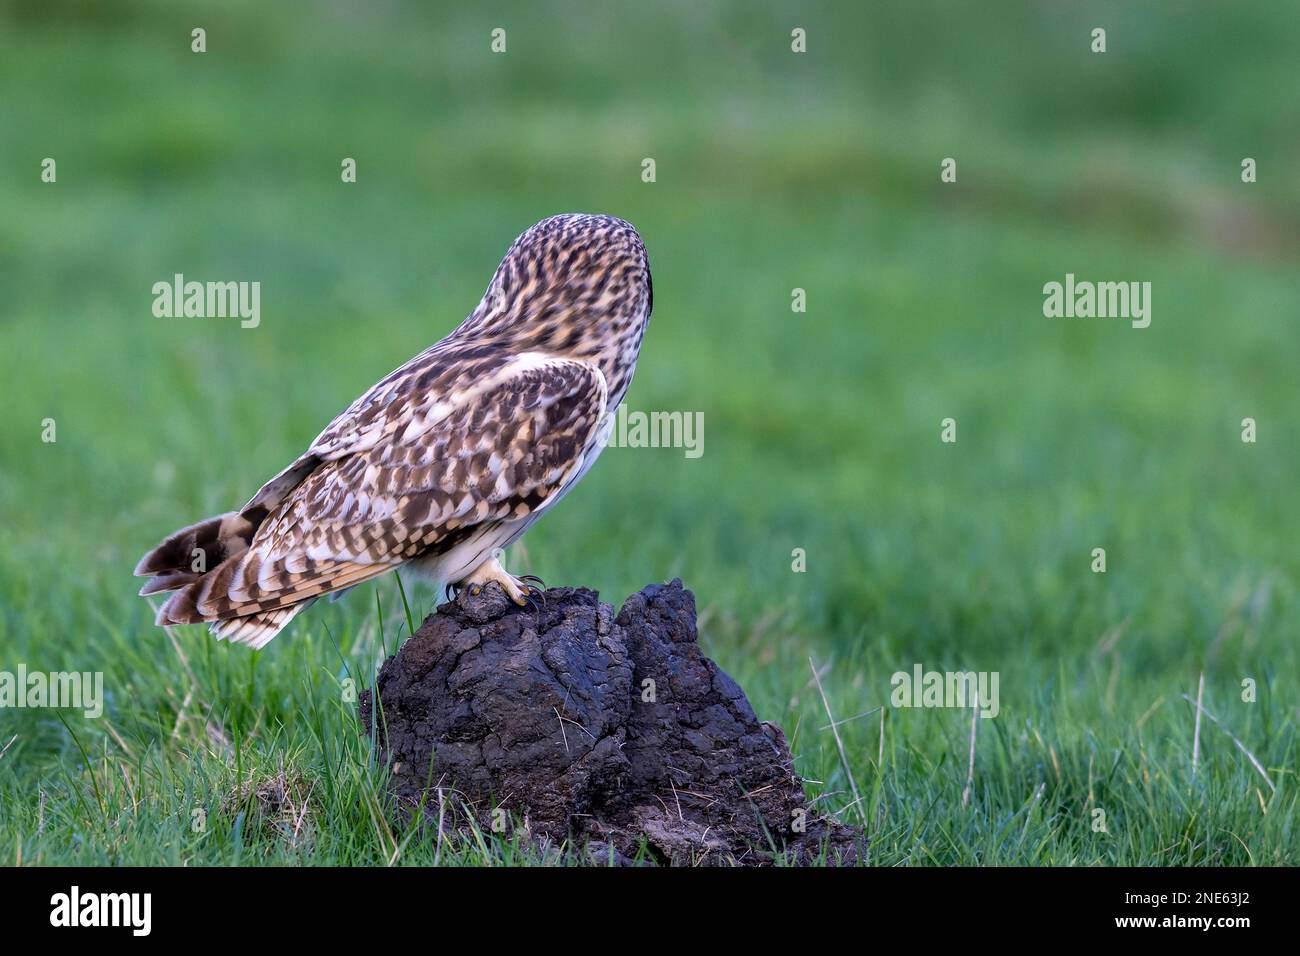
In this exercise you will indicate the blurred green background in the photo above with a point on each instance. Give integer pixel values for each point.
(775, 170)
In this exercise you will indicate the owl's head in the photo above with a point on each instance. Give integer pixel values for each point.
(570, 284)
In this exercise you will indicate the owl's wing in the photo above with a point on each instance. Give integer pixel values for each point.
(408, 478)
(409, 400)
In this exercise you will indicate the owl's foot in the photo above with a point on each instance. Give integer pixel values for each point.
(517, 589)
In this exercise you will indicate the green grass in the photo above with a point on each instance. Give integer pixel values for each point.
(822, 429)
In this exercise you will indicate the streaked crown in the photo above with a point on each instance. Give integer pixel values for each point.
(568, 284)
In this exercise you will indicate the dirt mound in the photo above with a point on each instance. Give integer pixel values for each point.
(615, 733)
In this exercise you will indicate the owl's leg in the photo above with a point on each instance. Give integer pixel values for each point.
(490, 570)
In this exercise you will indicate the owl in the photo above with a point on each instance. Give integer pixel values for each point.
(445, 461)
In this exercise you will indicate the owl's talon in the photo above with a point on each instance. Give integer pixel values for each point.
(516, 589)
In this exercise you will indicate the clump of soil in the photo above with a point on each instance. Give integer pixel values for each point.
(615, 733)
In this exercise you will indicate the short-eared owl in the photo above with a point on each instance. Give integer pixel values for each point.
(446, 460)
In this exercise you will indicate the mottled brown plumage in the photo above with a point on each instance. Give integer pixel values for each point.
(446, 460)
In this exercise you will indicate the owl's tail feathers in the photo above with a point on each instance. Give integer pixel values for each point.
(189, 559)
(256, 630)
(197, 564)
(188, 554)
